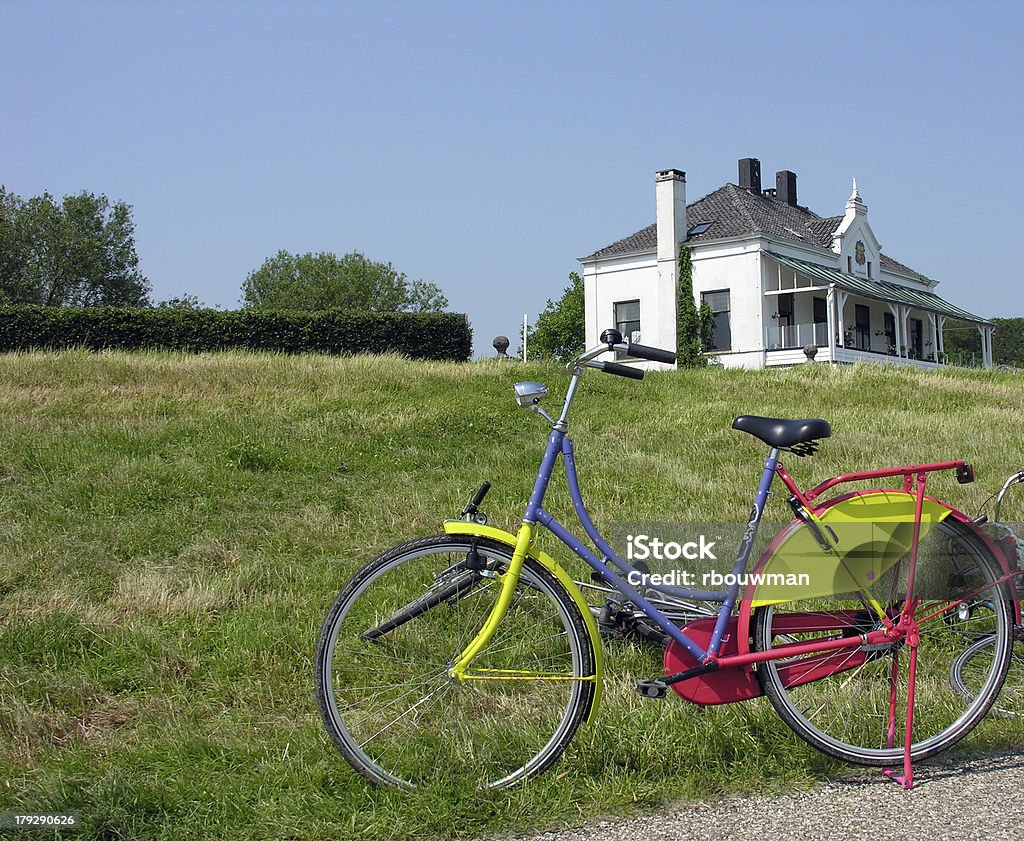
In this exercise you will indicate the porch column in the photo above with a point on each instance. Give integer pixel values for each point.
(986, 346)
(897, 319)
(840, 305)
(904, 317)
(830, 313)
(939, 338)
(935, 338)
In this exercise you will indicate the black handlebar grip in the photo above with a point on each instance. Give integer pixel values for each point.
(480, 494)
(622, 370)
(655, 354)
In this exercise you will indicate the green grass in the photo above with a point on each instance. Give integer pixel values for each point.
(175, 527)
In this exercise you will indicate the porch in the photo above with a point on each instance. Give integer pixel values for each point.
(783, 356)
(853, 319)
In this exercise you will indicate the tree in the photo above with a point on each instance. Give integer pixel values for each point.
(962, 342)
(182, 302)
(560, 330)
(78, 253)
(1008, 341)
(313, 282)
(693, 326)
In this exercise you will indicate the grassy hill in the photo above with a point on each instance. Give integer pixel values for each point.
(174, 528)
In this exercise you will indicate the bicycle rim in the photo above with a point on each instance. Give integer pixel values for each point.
(389, 704)
(854, 702)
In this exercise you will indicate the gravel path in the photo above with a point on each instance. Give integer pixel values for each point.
(974, 799)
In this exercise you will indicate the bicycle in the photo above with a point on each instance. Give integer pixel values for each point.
(473, 652)
(962, 673)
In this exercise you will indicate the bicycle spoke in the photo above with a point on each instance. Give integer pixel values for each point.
(391, 706)
(844, 709)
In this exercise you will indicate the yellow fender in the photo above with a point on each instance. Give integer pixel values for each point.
(868, 531)
(550, 564)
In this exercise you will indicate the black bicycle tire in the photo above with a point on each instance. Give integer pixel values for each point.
(790, 713)
(535, 576)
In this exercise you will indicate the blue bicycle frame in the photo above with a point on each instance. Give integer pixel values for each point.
(560, 444)
(611, 568)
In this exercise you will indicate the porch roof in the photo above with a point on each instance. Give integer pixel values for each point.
(879, 289)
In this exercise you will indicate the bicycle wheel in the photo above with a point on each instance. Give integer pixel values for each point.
(841, 702)
(395, 630)
(967, 673)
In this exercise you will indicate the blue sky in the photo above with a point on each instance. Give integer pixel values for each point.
(486, 146)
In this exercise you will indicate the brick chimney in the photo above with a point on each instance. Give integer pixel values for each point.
(750, 175)
(785, 187)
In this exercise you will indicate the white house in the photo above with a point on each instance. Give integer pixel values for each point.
(778, 278)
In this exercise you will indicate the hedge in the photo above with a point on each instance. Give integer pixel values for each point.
(416, 335)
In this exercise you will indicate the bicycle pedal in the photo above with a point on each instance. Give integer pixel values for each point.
(651, 688)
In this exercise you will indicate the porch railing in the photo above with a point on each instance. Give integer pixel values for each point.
(781, 336)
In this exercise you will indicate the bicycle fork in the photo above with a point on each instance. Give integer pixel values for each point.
(509, 582)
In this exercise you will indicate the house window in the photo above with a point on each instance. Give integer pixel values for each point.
(627, 322)
(869, 268)
(849, 265)
(863, 330)
(784, 314)
(721, 332)
(890, 333)
(820, 321)
(820, 311)
(786, 309)
(916, 338)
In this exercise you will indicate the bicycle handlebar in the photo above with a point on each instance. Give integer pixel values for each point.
(654, 354)
(611, 340)
(619, 370)
(480, 494)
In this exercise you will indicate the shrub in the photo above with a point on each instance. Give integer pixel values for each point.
(416, 335)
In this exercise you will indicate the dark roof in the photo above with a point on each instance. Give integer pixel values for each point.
(646, 239)
(734, 212)
(895, 266)
(824, 228)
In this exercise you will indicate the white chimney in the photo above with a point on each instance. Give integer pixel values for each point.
(670, 190)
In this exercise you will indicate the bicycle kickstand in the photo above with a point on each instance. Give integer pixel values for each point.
(906, 779)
